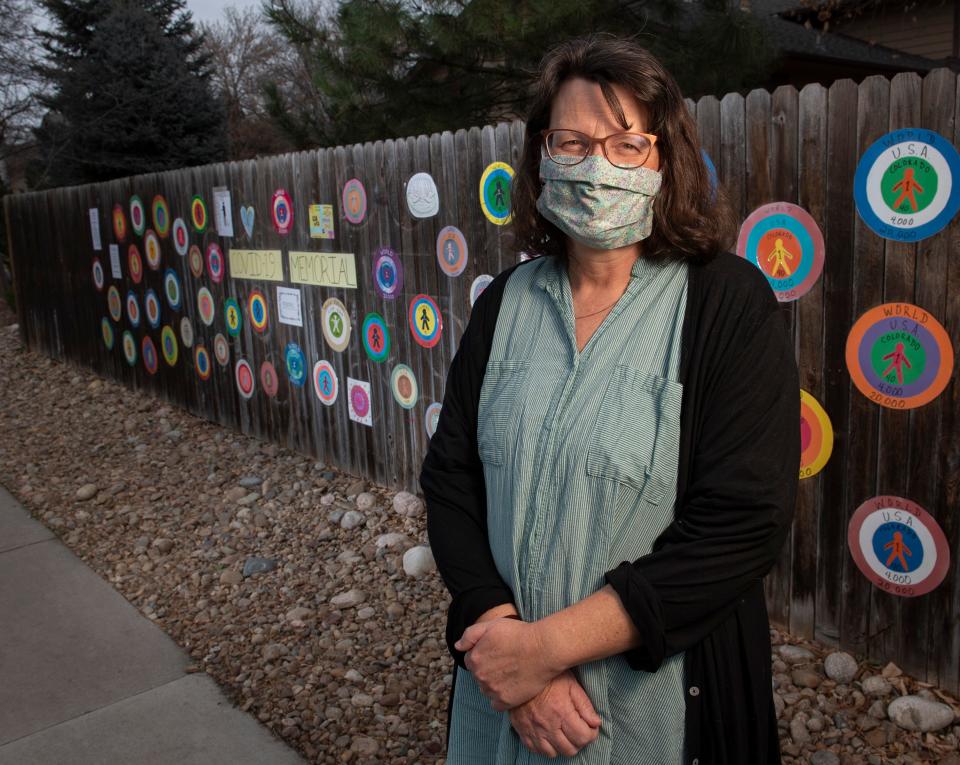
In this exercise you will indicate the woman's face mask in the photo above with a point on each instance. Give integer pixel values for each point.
(596, 203)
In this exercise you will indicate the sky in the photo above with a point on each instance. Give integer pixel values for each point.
(212, 10)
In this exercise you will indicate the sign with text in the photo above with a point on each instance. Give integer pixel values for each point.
(261, 265)
(324, 269)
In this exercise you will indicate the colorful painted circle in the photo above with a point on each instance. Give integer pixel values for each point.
(431, 417)
(186, 332)
(106, 331)
(198, 214)
(281, 210)
(215, 262)
(258, 311)
(816, 436)
(233, 317)
(898, 546)
(359, 400)
(119, 223)
(296, 364)
(376, 337)
(354, 200)
(495, 192)
(243, 375)
(899, 356)
(135, 264)
(138, 216)
(149, 352)
(451, 251)
(423, 200)
(403, 383)
(151, 246)
(387, 273)
(269, 379)
(114, 304)
(201, 361)
(907, 184)
(785, 243)
(151, 307)
(161, 216)
(171, 288)
(325, 383)
(336, 324)
(129, 347)
(221, 349)
(205, 306)
(169, 346)
(425, 321)
(133, 309)
(478, 286)
(98, 277)
(181, 237)
(195, 260)
(711, 171)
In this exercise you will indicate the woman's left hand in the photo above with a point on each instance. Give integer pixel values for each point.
(507, 659)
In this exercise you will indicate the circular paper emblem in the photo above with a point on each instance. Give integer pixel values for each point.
(186, 332)
(816, 436)
(195, 259)
(783, 241)
(268, 379)
(198, 214)
(244, 377)
(422, 197)
(215, 263)
(149, 351)
(711, 171)
(282, 211)
(451, 251)
(478, 286)
(138, 217)
(114, 305)
(151, 246)
(257, 308)
(404, 386)
(221, 350)
(425, 321)
(906, 184)
(201, 360)
(169, 346)
(181, 238)
(133, 309)
(898, 546)
(151, 307)
(135, 264)
(106, 331)
(98, 277)
(376, 337)
(359, 400)
(205, 306)
(231, 314)
(129, 347)
(495, 192)
(171, 288)
(296, 364)
(354, 201)
(899, 356)
(119, 223)
(161, 216)
(336, 324)
(325, 383)
(387, 273)
(431, 418)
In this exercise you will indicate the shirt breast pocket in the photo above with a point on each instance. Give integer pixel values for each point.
(636, 438)
(500, 409)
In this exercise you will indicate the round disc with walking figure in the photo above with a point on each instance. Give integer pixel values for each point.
(325, 383)
(495, 192)
(403, 383)
(335, 323)
(451, 251)
(425, 321)
(816, 436)
(376, 337)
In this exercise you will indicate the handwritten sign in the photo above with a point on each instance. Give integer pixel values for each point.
(324, 269)
(288, 306)
(262, 265)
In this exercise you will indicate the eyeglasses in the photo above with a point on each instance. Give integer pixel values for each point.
(624, 150)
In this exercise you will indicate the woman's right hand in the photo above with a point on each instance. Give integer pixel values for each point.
(558, 720)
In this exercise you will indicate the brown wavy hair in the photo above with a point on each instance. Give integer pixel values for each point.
(690, 220)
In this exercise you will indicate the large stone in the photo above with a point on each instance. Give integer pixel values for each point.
(365, 500)
(392, 540)
(794, 654)
(841, 667)
(348, 598)
(919, 714)
(351, 519)
(87, 491)
(255, 565)
(418, 561)
(806, 678)
(875, 686)
(231, 577)
(407, 505)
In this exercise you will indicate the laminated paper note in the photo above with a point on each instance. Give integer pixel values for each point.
(324, 269)
(261, 265)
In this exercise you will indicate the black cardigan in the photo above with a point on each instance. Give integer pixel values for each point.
(700, 590)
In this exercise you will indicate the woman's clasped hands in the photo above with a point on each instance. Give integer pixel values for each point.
(549, 709)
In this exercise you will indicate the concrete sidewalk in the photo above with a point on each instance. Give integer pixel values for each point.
(85, 679)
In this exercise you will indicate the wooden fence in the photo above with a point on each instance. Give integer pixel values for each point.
(788, 146)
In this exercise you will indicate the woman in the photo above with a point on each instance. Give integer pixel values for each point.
(615, 466)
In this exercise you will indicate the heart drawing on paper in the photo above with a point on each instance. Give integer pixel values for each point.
(246, 217)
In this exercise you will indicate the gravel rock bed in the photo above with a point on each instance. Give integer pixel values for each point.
(310, 595)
